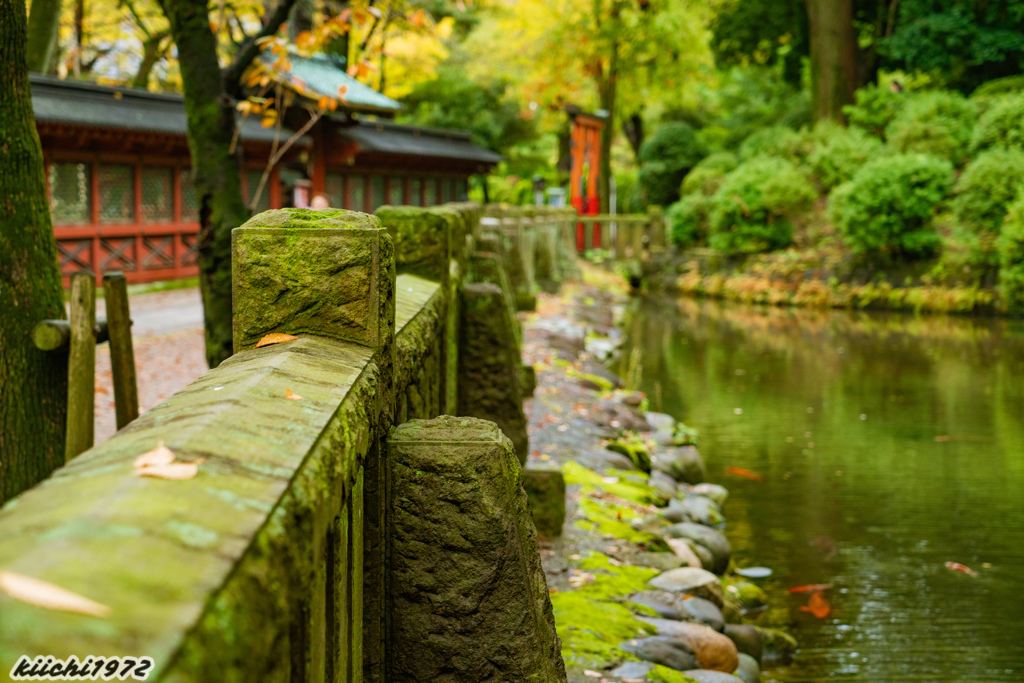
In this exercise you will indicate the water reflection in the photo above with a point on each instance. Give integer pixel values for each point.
(889, 445)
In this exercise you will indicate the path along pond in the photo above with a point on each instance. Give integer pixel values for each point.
(888, 446)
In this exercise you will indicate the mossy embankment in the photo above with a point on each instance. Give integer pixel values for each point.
(635, 505)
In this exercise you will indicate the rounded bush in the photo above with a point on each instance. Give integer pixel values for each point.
(774, 141)
(839, 152)
(987, 187)
(875, 108)
(887, 206)
(1010, 248)
(750, 211)
(1002, 125)
(939, 123)
(707, 176)
(688, 220)
(665, 159)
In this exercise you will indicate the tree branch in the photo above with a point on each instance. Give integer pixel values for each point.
(232, 75)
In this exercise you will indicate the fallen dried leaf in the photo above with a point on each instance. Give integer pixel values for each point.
(47, 595)
(275, 338)
(176, 471)
(161, 455)
(293, 396)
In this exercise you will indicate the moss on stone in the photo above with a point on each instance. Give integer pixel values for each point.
(631, 486)
(601, 382)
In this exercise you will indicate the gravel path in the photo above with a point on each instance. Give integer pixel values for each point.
(169, 352)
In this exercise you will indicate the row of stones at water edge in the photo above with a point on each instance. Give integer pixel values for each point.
(641, 575)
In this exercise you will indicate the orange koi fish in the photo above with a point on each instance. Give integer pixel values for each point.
(957, 567)
(817, 606)
(811, 588)
(740, 472)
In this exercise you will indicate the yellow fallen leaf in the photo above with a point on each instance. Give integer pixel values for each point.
(43, 594)
(275, 338)
(293, 396)
(161, 455)
(176, 470)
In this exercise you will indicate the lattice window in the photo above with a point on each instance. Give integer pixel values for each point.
(189, 199)
(430, 198)
(376, 192)
(117, 193)
(397, 189)
(335, 189)
(462, 190)
(415, 191)
(445, 193)
(157, 194)
(70, 193)
(357, 188)
(253, 178)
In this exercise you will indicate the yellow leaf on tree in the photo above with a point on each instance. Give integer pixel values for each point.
(176, 470)
(417, 18)
(275, 338)
(324, 102)
(288, 393)
(47, 595)
(161, 455)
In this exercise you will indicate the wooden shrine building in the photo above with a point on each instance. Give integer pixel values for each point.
(118, 169)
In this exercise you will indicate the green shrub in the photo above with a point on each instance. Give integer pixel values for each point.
(774, 141)
(688, 219)
(989, 93)
(665, 159)
(838, 152)
(875, 108)
(1002, 125)
(986, 187)
(751, 211)
(1010, 247)
(707, 176)
(887, 206)
(939, 123)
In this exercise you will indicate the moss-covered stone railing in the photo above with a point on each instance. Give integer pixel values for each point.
(268, 564)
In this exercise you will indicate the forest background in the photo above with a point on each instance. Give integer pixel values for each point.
(834, 131)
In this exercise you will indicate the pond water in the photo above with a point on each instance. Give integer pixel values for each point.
(888, 446)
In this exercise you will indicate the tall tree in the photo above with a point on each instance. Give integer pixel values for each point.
(833, 56)
(43, 25)
(210, 113)
(34, 384)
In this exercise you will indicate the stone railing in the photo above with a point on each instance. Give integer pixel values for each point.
(625, 236)
(271, 554)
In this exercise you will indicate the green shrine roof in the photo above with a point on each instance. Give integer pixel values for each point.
(325, 75)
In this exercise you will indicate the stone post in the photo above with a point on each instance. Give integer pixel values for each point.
(468, 597)
(427, 244)
(489, 362)
(330, 274)
(638, 229)
(519, 253)
(657, 239)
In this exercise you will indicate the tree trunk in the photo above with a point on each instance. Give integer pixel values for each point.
(33, 399)
(606, 90)
(43, 23)
(216, 170)
(833, 57)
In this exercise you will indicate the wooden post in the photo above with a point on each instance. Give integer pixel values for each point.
(122, 355)
(81, 364)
